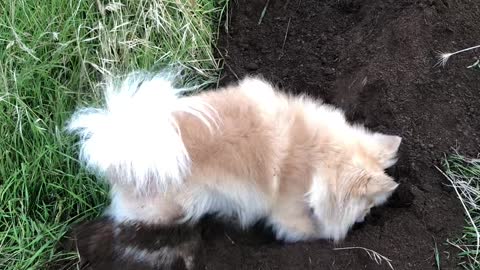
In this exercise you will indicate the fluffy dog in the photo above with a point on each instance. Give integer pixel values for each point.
(244, 152)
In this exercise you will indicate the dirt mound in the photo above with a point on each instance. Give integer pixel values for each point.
(375, 59)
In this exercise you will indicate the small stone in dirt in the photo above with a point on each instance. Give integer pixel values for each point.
(323, 37)
(251, 66)
(434, 227)
(329, 71)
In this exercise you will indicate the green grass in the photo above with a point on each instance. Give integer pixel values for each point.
(53, 57)
(464, 176)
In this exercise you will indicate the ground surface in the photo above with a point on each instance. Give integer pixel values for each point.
(329, 49)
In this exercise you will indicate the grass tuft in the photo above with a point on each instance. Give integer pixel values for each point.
(463, 173)
(54, 56)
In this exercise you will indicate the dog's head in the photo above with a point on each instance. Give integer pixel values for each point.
(352, 181)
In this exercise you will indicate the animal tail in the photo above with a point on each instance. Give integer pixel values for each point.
(134, 137)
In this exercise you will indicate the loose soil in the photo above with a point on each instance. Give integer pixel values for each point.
(375, 59)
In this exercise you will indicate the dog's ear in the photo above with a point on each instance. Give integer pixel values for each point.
(368, 185)
(378, 185)
(387, 148)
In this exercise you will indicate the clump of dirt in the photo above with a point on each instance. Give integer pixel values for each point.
(375, 59)
(103, 244)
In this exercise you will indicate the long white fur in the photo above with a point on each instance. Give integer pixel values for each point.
(135, 136)
(241, 201)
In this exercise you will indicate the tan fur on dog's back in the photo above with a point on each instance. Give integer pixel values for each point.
(253, 144)
(243, 145)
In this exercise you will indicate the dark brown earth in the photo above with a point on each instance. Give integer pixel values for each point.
(329, 49)
(375, 59)
(103, 244)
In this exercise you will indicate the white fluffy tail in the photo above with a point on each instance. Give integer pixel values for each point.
(135, 138)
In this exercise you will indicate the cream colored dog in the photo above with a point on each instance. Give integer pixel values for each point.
(244, 152)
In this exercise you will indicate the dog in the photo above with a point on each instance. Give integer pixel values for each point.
(243, 152)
